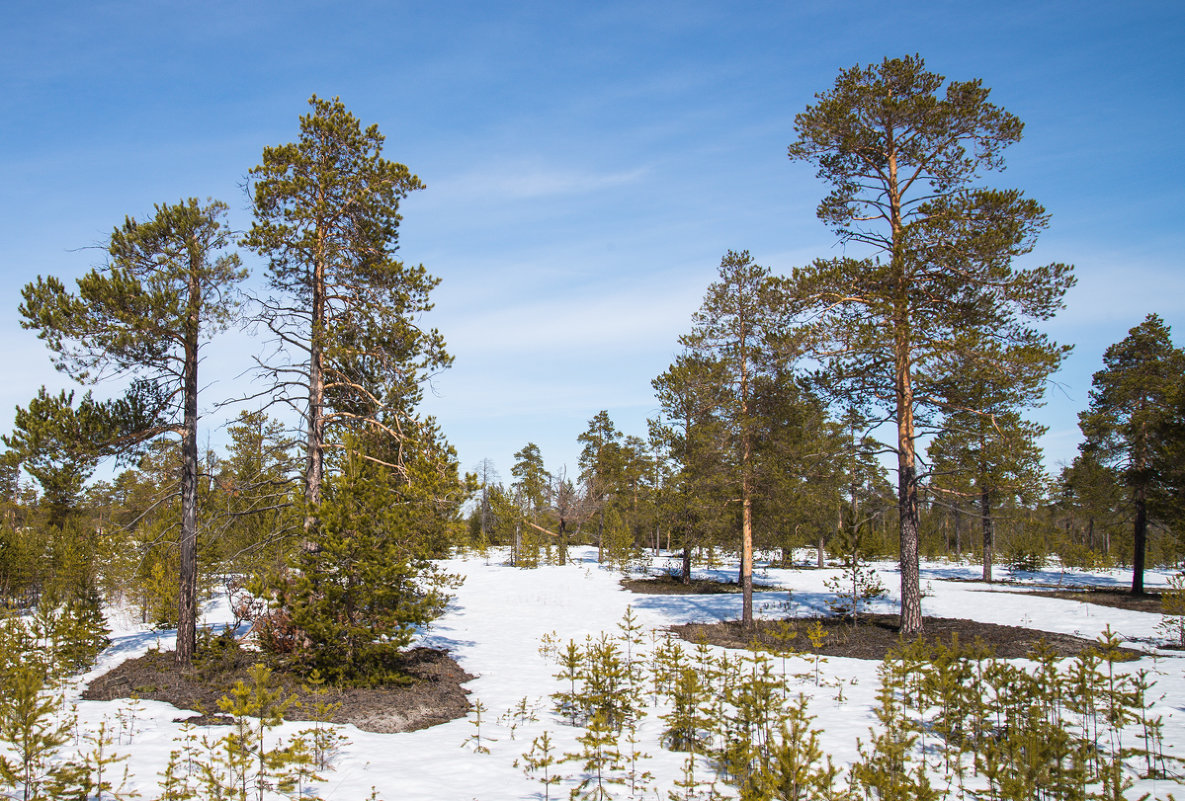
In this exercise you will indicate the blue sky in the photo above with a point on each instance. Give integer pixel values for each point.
(587, 166)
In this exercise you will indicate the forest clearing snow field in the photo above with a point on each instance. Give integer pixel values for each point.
(498, 617)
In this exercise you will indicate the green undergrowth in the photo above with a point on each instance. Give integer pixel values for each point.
(951, 721)
(47, 755)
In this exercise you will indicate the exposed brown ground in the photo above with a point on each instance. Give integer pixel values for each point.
(433, 695)
(1119, 599)
(667, 584)
(875, 635)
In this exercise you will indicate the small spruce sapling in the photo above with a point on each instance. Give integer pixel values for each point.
(540, 761)
(818, 637)
(566, 701)
(688, 787)
(179, 779)
(478, 741)
(636, 778)
(687, 723)
(857, 584)
(794, 769)
(241, 764)
(36, 732)
(521, 713)
(887, 768)
(599, 757)
(99, 761)
(1172, 610)
(323, 739)
(129, 721)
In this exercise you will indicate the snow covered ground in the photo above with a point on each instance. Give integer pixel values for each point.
(494, 626)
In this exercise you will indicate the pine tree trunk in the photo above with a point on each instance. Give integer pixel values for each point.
(746, 538)
(746, 495)
(187, 584)
(1139, 539)
(315, 458)
(911, 595)
(907, 491)
(1140, 451)
(907, 482)
(985, 508)
(686, 576)
(601, 533)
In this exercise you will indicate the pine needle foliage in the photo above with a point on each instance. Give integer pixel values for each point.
(353, 600)
(952, 721)
(1172, 604)
(350, 351)
(901, 149)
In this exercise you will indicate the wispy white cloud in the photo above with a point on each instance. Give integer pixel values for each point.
(528, 181)
(645, 314)
(1123, 294)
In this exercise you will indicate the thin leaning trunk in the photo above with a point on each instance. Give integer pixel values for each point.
(601, 533)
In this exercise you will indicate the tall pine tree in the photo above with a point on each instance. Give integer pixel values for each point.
(691, 393)
(900, 156)
(167, 289)
(350, 352)
(1131, 400)
(739, 325)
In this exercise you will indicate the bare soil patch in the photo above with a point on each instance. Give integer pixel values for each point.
(1118, 599)
(875, 635)
(433, 693)
(667, 584)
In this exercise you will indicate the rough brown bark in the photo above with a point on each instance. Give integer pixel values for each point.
(187, 584)
(1140, 539)
(989, 534)
(747, 561)
(907, 491)
(907, 485)
(911, 596)
(315, 458)
(745, 524)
